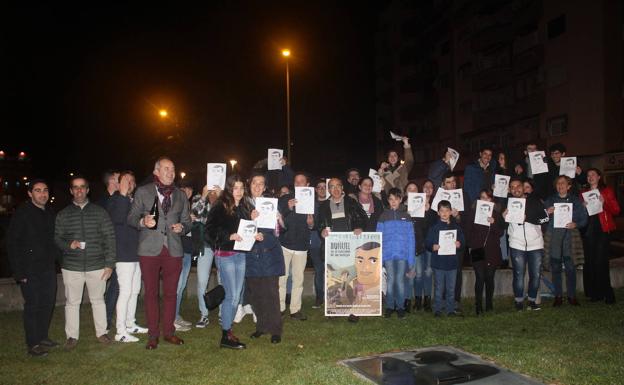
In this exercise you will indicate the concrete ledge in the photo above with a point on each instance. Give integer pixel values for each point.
(11, 296)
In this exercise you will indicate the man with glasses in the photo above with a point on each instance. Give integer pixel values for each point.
(85, 234)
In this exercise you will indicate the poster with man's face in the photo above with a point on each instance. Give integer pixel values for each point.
(592, 200)
(267, 208)
(274, 158)
(446, 239)
(416, 204)
(515, 210)
(457, 199)
(305, 200)
(562, 215)
(353, 266)
(215, 175)
(567, 166)
(501, 185)
(538, 162)
(247, 230)
(483, 211)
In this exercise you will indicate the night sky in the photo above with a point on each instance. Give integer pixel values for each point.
(83, 86)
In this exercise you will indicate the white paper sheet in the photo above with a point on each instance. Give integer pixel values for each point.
(416, 204)
(215, 175)
(454, 157)
(441, 195)
(483, 211)
(267, 208)
(501, 185)
(515, 210)
(396, 137)
(537, 159)
(376, 180)
(447, 240)
(274, 158)
(305, 200)
(562, 215)
(457, 199)
(592, 198)
(567, 166)
(247, 230)
(327, 188)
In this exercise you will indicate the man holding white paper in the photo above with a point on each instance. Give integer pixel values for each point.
(295, 241)
(526, 242)
(568, 214)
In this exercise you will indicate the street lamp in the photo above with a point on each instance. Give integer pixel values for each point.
(286, 54)
(163, 113)
(182, 175)
(233, 162)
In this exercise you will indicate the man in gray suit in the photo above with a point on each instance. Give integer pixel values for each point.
(160, 246)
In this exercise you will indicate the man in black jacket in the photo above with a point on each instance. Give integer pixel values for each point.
(295, 241)
(32, 253)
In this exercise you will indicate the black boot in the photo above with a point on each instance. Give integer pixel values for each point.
(407, 305)
(418, 303)
(427, 303)
(229, 340)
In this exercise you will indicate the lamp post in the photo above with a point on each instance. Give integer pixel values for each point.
(233, 162)
(286, 54)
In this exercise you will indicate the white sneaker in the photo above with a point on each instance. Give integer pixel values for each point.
(181, 328)
(255, 319)
(240, 314)
(125, 338)
(136, 329)
(248, 309)
(203, 322)
(182, 321)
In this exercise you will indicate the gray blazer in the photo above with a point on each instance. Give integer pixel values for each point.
(152, 241)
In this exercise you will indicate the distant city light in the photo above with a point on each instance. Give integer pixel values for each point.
(286, 52)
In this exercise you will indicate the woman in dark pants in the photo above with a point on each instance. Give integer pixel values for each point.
(264, 266)
(487, 238)
(596, 240)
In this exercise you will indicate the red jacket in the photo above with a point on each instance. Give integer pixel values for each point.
(610, 208)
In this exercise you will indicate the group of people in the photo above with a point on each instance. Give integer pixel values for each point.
(154, 232)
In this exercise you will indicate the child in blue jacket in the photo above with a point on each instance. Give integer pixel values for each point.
(444, 266)
(398, 249)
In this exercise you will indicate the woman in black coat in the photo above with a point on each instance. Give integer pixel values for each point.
(484, 238)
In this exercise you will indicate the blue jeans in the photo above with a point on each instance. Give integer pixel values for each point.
(520, 260)
(423, 283)
(319, 273)
(186, 268)
(232, 273)
(504, 246)
(110, 298)
(416, 282)
(395, 290)
(444, 283)
(204, 267)
(570, 270)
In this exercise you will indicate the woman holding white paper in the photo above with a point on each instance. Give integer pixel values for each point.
(221, 233)
(485, 251)
(596, 241)
(370, 202)
(560, 243)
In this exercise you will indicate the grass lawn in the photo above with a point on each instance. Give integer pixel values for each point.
(583, 345)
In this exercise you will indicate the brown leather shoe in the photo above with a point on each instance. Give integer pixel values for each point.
(104, 339)
(152, 343)
(174, 340)
(71, 343)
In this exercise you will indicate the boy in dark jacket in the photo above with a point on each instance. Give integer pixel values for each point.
(444, 266)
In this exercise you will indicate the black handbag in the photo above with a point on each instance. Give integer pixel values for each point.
(478, 254)
(214, 297)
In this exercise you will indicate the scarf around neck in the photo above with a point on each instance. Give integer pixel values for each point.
(166, 191)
